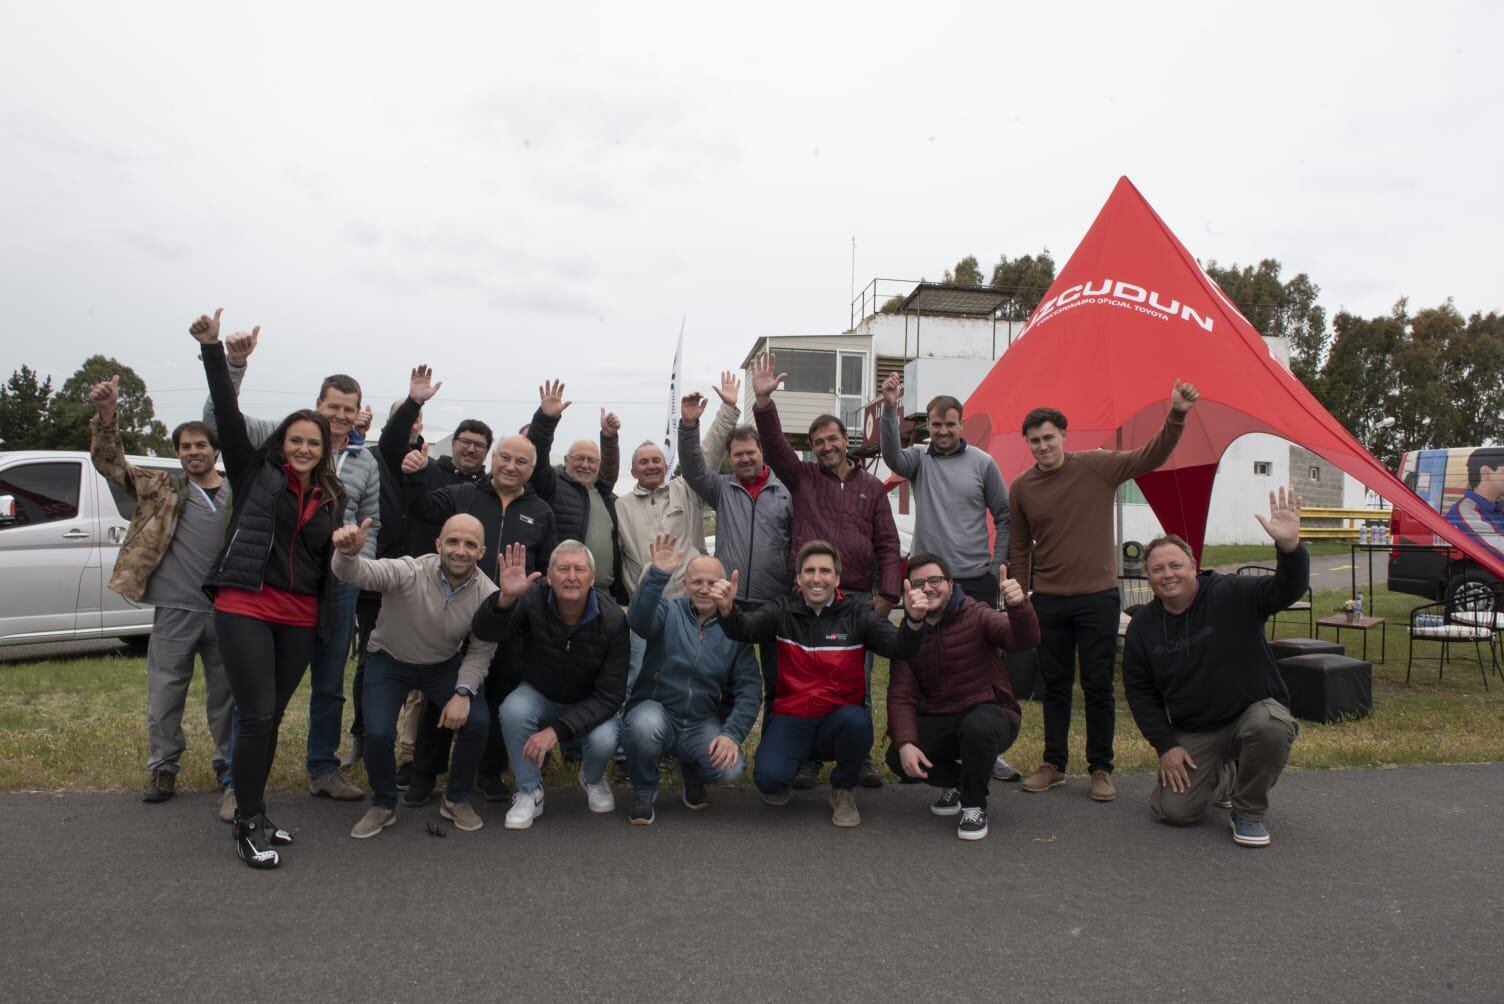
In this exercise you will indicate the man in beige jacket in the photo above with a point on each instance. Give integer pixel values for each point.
(426, 606)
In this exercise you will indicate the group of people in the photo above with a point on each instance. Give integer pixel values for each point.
(502, 615)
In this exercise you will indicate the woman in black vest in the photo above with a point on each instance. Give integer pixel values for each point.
(267, 581)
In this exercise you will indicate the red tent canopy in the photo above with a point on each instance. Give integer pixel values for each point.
(1130, 313)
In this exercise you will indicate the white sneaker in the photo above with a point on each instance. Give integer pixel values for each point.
(599, 795)
(526, 807)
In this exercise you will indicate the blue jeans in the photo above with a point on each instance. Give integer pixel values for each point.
(638, 649)
(526, 712)
(388, 682)
(844, 735)
(326, 703)
(651, 733)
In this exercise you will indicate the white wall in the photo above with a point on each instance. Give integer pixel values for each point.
(937, 337)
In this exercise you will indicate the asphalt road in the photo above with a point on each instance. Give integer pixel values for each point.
(1335, 571)
(1379, 884)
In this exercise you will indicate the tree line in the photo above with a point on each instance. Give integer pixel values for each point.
(35, 417)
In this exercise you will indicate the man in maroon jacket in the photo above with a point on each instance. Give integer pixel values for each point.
(953, 702)
(835, 500)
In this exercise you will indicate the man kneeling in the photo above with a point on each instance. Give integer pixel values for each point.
(687, 668)
(953, 701)
(818, 711)
(1203, 684)
(426, 607)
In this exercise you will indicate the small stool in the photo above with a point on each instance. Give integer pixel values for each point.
(1284, 648)
(1326, 686)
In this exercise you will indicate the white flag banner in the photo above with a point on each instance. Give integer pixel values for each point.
(671, 431)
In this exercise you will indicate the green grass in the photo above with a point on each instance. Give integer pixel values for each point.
(80, 724)
(1217, 555)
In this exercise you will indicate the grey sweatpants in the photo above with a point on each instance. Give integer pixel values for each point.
(1258, 742)
(176, 636)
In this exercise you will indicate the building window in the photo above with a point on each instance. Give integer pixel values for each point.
(1261, 468)
(1315, 473)
(810, 372)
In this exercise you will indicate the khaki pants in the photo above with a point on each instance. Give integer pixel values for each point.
(407, 727)
(1257, 743)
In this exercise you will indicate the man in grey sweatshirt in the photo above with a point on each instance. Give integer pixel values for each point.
(955, 485)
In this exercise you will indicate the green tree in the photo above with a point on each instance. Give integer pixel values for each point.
(23, 409)
(1027, 278)
(1279, 310)
(68, 413)
(1358, 385)
(967, 273)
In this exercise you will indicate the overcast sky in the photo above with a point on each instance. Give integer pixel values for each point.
(511, 193)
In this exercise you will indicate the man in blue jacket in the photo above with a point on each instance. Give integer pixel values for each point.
(688, 667)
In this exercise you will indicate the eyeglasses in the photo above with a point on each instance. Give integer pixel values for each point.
(933, 580)
(471, 444)
(585, 459)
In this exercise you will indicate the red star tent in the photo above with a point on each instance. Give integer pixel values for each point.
(1130, 313)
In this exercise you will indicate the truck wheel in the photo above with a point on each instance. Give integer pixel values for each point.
(1468, 586)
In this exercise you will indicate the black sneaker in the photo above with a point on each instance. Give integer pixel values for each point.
(869, 777)
(694, 796)
(948, 804)
(973, 824)
(419, 790)
(251, 845)
(642, 809)
(275, 835)
(807, 776)
(404, 775)
(159, 786)
(493, 787)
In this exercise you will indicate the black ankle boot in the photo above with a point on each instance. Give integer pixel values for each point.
(275, 835)
(251, 844)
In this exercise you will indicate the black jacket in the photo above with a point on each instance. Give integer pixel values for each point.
(528, 521)
(396, 440)
(582, 665)
(569, 498)
(265, 545)
(1198, 670)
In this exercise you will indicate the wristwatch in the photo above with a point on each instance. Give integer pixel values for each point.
(464, 690)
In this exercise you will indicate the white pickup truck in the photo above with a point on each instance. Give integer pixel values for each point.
(61, 524)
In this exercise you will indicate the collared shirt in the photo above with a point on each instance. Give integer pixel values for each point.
(450, 592)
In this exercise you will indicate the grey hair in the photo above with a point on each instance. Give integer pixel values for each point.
(570, 547)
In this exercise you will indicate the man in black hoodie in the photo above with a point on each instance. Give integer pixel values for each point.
(1202, 682)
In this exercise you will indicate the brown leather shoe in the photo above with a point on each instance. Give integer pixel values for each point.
(1045, 777)
(1101, 786)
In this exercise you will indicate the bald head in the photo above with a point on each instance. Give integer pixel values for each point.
(461, 543)
(699, 579)
(463, 523)
(512, 464)
(583, 461)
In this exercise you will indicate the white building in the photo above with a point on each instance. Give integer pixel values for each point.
(945, 338)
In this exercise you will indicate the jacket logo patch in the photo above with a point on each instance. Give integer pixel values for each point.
(836, 636)
(525, 518)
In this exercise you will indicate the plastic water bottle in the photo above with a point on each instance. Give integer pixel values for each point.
(1363, 534)
(1359, 611)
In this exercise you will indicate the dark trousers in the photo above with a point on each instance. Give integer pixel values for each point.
(844, 735)
(431, 750)
(366, 609)
(265, 663)
(961, 749)
(388, 682)
(982, 588)
(1086, 626)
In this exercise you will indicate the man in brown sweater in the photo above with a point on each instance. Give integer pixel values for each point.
(1060, 543)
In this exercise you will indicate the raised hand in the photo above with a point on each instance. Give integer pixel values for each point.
(1184, 396)
(892, 389)
(241, 344)
(1283, 524)
(763, 377)
(105, 396)
(724, 594)
(666, 556)
(205, 330)
(691, 407)
(349, 539)
(916, 605)
(363, 420)
(610, 424)
(729, 389)
(1013, 593)
(421, 386)
(415, 460)
(551, 398)
(511, 572)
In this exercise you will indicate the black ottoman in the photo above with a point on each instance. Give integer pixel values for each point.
(1326, 687)
(1284, 648)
